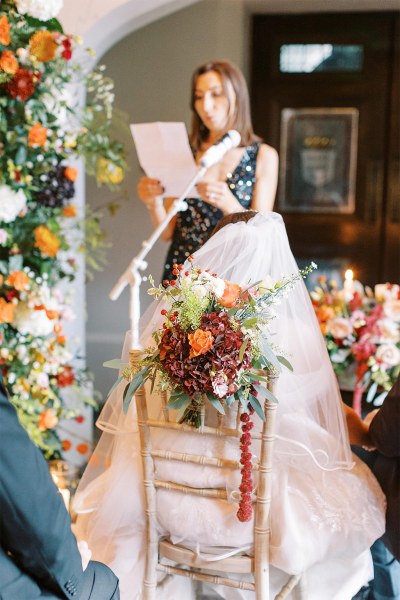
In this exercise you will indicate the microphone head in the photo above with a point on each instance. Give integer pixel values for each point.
(234, 137)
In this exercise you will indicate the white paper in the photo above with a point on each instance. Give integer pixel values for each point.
(164, 153)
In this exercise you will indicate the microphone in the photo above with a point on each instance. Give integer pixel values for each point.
(230, 140)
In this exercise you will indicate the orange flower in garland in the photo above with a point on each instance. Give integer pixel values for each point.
(22, 85)
(6, 311)
(47, 420)
(71, 173)
(8, 62)
(70, 211)
(37, 135)
(47, 242)
(5, 37)
(18, 280)
(43, 46)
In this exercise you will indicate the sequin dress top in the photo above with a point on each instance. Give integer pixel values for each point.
(194, 225)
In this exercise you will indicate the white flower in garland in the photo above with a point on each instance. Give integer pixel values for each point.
(11, 203)
(44, 10)
(31, 322)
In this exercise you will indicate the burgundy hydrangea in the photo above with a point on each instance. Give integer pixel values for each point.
(193, 374)
(22, 85)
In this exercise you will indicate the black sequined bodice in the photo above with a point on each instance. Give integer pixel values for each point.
(194, 225)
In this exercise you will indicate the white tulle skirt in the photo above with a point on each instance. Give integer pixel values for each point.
(322, 522)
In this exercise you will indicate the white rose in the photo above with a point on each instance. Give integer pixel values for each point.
(44, 10)
(391, 308)
(390, 331)
(386, 291)
(339, 328)
(31, 322)
(11, 203)
(389, 354)
(42, 380)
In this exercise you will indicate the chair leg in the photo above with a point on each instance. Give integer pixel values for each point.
(291, 584)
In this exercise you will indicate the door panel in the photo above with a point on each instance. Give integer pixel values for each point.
(368, 239)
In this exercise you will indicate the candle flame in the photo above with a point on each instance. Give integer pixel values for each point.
(348, 275)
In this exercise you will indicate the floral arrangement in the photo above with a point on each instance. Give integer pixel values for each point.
(212, 347)
(361, 328)
(43, 128)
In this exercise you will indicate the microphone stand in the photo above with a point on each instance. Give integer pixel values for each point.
(132, 276)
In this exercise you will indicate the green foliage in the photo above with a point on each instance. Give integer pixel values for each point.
(45, 124)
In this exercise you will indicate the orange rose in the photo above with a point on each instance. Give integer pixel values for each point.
(18, 280)
(46, 241)
(70, 211)
(231, 294)
(324, 313)
(6, 311)
(5, 38)
(37, 135)
(47, 420)
(43, 46)
(8, 62)
(200, 342)
(71, 173)
(1, 279)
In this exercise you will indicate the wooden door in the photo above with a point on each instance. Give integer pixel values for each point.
(360, 75)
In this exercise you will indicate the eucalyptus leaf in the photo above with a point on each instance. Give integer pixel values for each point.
(263, 391)
(179, 402)
(285, 362)
(242, 350)
(216, 404)
(20, 156)
(115, 363)
(116, 383)
(257, 406)
(269, 354)
(133, 387)
(242, 400)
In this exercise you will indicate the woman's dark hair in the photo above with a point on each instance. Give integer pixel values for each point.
(244, 215)
(232, 80)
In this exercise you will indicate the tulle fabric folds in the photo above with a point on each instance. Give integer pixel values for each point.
(321, 504)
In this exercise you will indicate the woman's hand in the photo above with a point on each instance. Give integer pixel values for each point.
(149, 190)
(218, 194)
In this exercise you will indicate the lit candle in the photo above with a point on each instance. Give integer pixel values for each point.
(348, 284)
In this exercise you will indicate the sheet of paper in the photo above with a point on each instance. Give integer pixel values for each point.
(164, 153)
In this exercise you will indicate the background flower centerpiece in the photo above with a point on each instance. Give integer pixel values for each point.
(211, 347)
(362, 334)
(44, 126)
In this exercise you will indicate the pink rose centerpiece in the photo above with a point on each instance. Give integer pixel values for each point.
(362, 332)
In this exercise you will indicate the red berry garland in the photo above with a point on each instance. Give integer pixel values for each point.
(246, 486)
